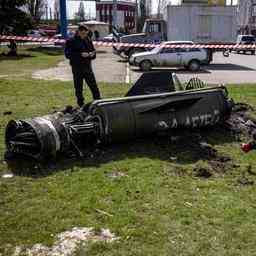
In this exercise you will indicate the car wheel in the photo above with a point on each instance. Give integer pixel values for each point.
(131, 52)
(252, 52)
(145, 65)
(194, 65)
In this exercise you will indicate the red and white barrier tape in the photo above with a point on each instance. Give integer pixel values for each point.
(110, 44)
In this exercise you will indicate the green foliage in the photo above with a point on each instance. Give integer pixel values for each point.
(28, 60)
(80, 15)
(36, 9)
(12, 18)
(158, 208)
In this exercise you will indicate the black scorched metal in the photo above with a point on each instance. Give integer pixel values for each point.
(116, 120)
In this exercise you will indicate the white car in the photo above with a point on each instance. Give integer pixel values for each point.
(35, 34)
(190, 58)
(246, 40)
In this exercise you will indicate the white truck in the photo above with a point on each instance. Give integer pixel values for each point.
(197, 23)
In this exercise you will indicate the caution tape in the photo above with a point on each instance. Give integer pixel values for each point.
(134, 45)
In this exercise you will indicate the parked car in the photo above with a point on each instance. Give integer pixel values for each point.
(108, 38)
(111, 37)
(59, 36)
(36, 34)
(246, 40)
(190, 58)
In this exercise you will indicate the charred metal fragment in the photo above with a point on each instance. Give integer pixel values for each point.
(117, 120)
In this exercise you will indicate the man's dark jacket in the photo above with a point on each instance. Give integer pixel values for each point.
(73, 49)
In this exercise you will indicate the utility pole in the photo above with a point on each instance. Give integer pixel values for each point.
(114, 23)
(136, 16)
(63, 18)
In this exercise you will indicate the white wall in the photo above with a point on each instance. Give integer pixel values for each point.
(201, 24)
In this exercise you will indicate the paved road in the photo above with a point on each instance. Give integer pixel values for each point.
(237, 68)
(109, 68)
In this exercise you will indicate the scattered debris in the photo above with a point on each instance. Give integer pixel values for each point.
(247, 147)
(67, 243)
(3, 76)
(117, 174)
(7, 113)
(241, 121)
(188, 204)
(203, 172)
(17, 251)
(249, 170)
(7, 175)
(103, 212)
(174, 139)
(245, 181)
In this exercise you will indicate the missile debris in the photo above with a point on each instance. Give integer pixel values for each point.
(149, 112)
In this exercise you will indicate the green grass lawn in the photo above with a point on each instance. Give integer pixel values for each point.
(29, 59)
(159, 208)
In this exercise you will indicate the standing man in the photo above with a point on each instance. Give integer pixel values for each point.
(80, 51)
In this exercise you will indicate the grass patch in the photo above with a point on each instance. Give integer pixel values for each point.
(157, 208)
(29, 59)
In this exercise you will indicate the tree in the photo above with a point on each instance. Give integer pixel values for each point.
(56, 9)
(161, 7)
(36, 9)
(148, 8)
(145, 9)
(80, 15)
(12, 18)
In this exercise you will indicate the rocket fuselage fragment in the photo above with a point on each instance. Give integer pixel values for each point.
(126, 118)
(118, 119)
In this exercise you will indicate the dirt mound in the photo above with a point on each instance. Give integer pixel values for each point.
(242, 121)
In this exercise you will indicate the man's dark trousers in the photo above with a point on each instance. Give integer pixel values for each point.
(80, 74)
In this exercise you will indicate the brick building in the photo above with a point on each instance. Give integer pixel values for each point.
(126, 12)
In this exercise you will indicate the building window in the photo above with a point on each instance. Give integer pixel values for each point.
(254, 10)
(153, 28)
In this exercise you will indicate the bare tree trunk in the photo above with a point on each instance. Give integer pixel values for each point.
(36, 9)
(56, 9)
(161, 7)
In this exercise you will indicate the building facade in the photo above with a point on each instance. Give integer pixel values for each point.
(126, 14)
